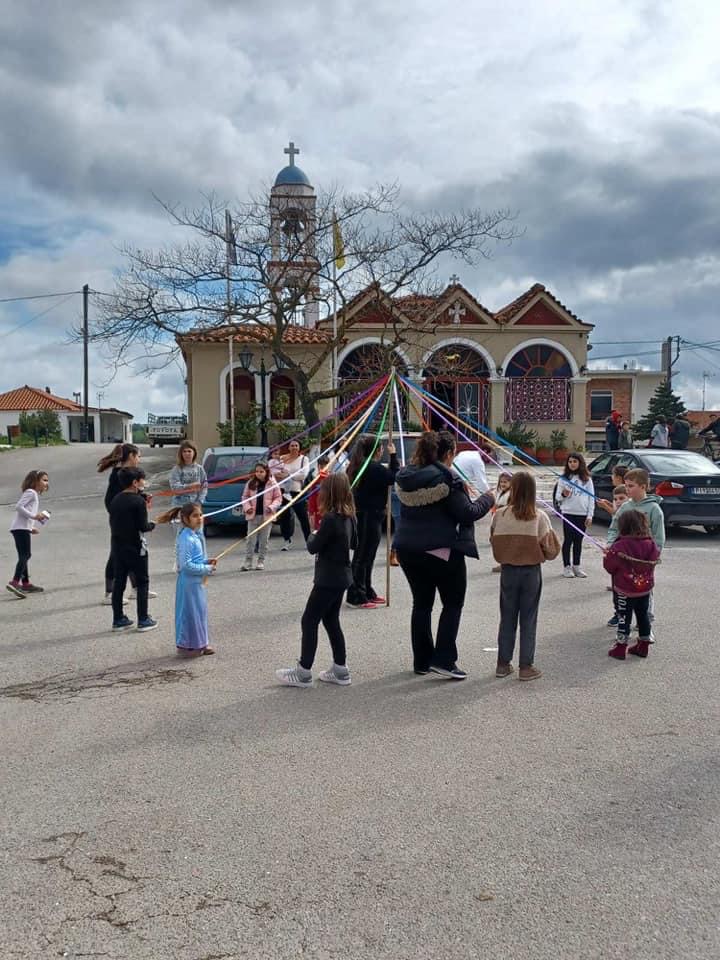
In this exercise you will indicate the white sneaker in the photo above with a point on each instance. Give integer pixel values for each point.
(107, 600)
(578, 572)
(286, 545)
(336, 674)
(133, 595)
(568, 574)
(295, 676)
(260, 565)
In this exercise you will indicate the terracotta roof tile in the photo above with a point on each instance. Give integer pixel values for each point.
(250, 334)
(512, 309)
(32, 398)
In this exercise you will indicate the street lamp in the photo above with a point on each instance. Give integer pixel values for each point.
(246, 358)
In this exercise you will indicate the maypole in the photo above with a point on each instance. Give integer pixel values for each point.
(388, 506)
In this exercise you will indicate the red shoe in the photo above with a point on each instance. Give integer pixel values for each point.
(370, 605)
(640, 649)
(618, 651)
(377, 600)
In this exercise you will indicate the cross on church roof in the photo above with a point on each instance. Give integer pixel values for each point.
(292, 151)
(454, 278)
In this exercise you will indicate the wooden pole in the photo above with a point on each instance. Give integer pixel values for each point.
(86, 418)
(388, 509)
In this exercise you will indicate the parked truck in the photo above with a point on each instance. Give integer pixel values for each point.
(162, 429)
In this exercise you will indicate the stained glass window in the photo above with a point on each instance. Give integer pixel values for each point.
(539, 386)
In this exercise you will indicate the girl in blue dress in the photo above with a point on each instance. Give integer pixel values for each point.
(193, 565)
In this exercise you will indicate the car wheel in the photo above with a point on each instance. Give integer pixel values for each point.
(211, 529)
(712, 528)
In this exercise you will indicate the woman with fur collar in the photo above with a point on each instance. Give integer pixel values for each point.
(435, 534)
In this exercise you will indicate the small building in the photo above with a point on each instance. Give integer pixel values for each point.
(627, 391)
(105, 425)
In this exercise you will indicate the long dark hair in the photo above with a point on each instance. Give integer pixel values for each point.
(432, 446)
(582, 471)
(361, 451)
(184, 512)
(253, 481)
(119, 454)
(633, 523)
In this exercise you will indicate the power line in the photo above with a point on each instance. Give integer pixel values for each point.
(625, 356)
(37, 316)
(39, 296)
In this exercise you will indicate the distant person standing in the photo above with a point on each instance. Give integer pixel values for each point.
(625, 440)
(659, 435)
(680, 433)
(612, 430)
(470, 466)
(188, 479)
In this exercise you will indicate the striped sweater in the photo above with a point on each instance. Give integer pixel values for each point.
(522, 542)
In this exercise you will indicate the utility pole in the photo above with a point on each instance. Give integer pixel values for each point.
(86, 429)
(668, 361)
(705, 376)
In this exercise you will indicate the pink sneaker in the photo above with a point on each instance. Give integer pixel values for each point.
(14, 587)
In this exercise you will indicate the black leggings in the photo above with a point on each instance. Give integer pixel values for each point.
(626, 606)
(369, 532)
(22, 540)
(572, 538)
(110, 575)
(128, 561)
(287, 520)
(323, 606)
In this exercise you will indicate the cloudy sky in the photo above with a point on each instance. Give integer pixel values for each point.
(598, 122)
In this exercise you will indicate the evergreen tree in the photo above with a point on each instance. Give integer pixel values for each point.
(664, 403)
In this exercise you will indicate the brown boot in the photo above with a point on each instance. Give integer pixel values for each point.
(503, 669)
(529, 673)
(394, 562)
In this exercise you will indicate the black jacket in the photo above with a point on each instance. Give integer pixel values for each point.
(371, 489)
(128, 520)
(331, 545)
(113, 487)
(435, 511)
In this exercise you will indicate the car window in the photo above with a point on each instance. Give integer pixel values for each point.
(228, 465)
(626, 460)
(677, 464)
(602, 464)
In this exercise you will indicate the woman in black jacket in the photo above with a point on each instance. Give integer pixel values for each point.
(370, 493)
(435, 535)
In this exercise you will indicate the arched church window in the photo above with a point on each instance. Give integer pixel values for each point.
(244, 390)
(538, 389)
(293, 226)
(538, 360)
(282, 397)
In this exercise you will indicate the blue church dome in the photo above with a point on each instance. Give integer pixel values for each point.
(292, 175)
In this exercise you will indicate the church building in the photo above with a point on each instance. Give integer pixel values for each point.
(523, 361)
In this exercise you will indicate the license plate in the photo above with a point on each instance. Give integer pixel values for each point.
(238, 512)
(706, 491)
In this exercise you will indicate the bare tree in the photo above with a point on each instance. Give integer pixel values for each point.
(167, 293)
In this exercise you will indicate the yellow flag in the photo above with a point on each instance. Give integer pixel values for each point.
(338, 245)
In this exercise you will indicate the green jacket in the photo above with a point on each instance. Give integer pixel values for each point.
(650, 506)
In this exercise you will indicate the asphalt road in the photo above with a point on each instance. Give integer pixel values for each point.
(157, 809)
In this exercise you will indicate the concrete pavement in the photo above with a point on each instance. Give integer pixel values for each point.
(156, 808)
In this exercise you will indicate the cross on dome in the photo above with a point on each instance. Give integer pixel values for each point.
(454, 279)
(292, 151)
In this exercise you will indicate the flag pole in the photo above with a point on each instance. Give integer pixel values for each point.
(335, 352)
(388, 507)
(231, 377)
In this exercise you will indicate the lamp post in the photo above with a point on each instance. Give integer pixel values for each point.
(246, 358)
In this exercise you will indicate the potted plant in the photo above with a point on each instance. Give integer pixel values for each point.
(543, 451)
(558, 442)
(520, 437)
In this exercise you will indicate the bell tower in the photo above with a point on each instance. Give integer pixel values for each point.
(293, 223)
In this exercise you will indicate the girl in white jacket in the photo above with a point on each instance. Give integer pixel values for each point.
(27, 514)
(575, 496)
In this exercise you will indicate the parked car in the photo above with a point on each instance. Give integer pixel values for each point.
(233, 464)
(688, 483)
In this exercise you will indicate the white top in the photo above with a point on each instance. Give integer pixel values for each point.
(659, 436)
(27, 507)
(298, 468)
(472, 466)
(577, 504)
